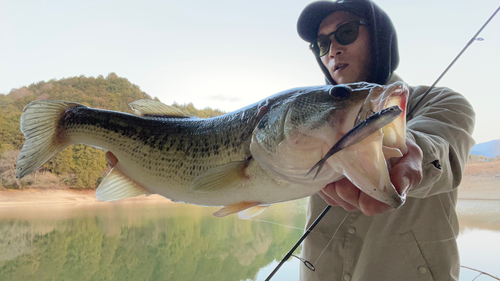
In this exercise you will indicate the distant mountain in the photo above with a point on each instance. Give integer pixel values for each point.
(488, 149)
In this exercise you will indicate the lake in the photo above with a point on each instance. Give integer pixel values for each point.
(139, 240)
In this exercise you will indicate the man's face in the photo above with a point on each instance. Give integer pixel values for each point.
(346, 63)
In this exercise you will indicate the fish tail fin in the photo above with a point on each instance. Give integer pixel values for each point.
(44, 137)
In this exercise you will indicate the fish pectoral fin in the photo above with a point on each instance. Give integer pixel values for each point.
(151, 108)
(118, 186)
(220, 178)
(237, 208)
(390, 152)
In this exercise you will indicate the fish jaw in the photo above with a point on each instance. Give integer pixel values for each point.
(364, 164)
(384, 97)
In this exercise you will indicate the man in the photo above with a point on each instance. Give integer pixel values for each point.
(362, 238)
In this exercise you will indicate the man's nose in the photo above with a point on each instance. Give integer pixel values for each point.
(335, 49)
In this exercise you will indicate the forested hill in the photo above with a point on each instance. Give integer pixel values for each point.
(78, 166)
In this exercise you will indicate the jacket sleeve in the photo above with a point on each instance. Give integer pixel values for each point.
(442, 127)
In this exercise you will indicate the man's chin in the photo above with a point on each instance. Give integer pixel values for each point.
(344, 80)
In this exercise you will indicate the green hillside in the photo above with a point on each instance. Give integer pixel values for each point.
(78, 166)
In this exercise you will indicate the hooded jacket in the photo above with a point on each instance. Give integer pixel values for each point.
(384, 43)
(418, 240)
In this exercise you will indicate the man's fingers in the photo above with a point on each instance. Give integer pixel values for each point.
(328, 199)
(329, 194)
(407, 172)
(370, 206)
(348, 192)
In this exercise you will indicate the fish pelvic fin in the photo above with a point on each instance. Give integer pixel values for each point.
(116, 186)
(44, 137)
(245, 209)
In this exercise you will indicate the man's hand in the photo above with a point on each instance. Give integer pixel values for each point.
(405, 172)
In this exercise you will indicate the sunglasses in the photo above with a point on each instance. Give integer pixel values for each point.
(344, 35)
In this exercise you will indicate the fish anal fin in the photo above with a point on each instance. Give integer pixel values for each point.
(252, 212)
(221, 177)
(117, 186)
(151, 108)
(235, 208)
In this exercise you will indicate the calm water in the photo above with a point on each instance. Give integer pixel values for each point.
(156, 241)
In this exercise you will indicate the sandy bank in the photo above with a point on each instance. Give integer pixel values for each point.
(40, 197)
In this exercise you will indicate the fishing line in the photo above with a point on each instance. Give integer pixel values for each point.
(409, 116)
(289, 254)
(288, 226)
(333, 236)
(275, 223)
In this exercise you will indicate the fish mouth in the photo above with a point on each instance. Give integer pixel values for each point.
(395, 132)
(364, 162)
(382, 97)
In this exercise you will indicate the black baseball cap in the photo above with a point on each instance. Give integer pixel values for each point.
(314, 13)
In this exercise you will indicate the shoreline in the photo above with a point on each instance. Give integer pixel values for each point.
(30, 197)
(37, 197)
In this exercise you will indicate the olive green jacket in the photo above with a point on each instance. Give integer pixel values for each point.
(418, 240)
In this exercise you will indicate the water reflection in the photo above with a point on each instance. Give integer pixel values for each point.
(479, 238)
(141, 242)
(479, 214)
(158, 241)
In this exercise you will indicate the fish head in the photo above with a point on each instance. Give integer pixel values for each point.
(301, 125)
(300, 128)
(381, 97)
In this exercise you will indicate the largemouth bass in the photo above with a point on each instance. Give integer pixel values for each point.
(244, 160)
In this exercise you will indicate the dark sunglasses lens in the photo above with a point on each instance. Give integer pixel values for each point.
(322, 45)
(347, 33)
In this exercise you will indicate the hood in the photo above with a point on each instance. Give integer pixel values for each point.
(384, 44)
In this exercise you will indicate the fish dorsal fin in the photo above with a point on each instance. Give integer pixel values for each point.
(220, 178)
(151, 108)
(118, 186)
(235, 208)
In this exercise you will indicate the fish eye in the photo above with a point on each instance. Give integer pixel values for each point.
(340, 92)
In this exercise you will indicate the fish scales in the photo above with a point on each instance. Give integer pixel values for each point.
(254, 156)
(185, 146)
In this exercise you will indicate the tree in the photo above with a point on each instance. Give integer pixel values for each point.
(8, 169)
(62, 163)
(89, 164)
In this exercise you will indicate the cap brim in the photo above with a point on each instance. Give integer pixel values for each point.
(314, 13)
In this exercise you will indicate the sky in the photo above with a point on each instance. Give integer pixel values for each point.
(228, 54)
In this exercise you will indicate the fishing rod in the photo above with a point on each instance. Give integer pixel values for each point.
(289, 254)
(409, 116)
(474, 38)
